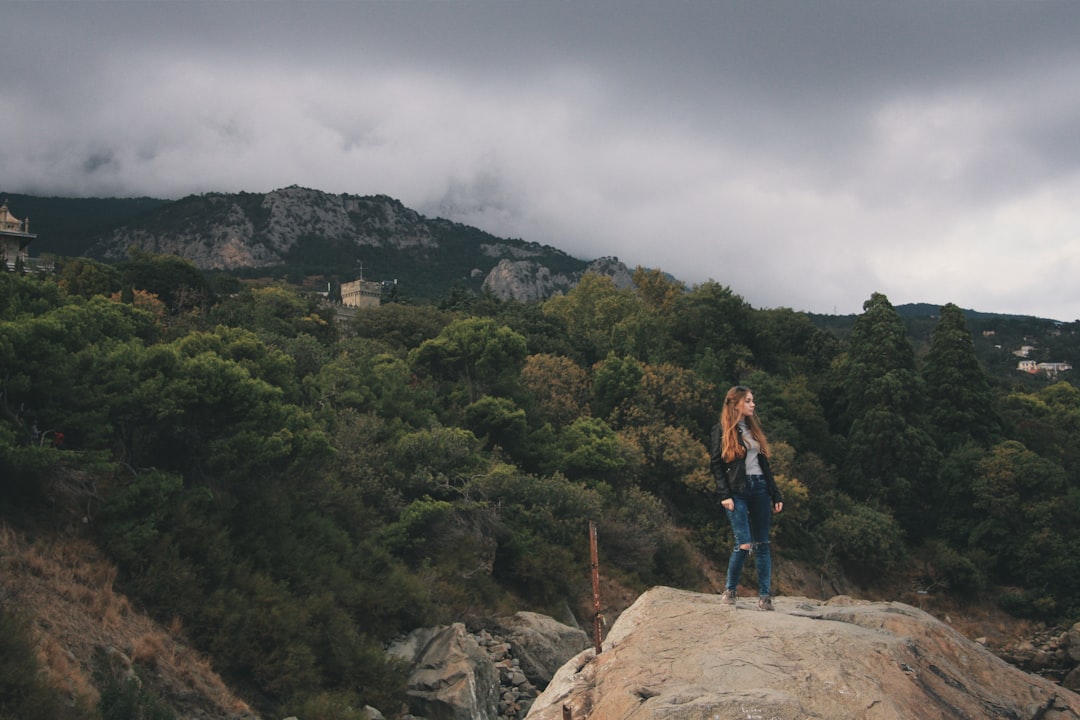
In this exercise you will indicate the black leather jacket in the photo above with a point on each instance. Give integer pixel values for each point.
(730, 477)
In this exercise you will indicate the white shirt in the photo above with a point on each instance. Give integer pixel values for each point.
(753, 449)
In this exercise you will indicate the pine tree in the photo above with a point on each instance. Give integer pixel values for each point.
(961, 408)
(891, 457)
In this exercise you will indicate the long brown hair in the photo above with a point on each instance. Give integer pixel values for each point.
(730, 447)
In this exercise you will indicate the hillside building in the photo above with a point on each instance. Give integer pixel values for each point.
(1048, 368)
(15, 237)
(361, 294)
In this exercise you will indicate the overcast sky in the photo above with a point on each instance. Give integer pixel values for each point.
(806, 153)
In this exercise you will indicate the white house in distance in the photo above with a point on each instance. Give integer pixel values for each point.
(15, 236)
(1049, 368)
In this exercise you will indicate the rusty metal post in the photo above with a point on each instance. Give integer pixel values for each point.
(597, 617)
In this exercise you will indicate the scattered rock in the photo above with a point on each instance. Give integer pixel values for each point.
(496, 671)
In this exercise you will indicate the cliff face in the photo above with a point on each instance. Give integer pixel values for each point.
(307, 228)
(530, 280)
(230, 231)
(676, 654)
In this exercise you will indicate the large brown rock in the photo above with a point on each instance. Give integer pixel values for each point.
(683, 655)
(451, 678)
(541, 644)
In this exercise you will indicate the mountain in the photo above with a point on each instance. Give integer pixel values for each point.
(297, 231)
(294, 232)
(67, 226)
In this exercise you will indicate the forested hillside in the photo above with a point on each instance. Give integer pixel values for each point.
(296, 490)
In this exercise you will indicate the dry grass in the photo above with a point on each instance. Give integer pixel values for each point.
(66, 586)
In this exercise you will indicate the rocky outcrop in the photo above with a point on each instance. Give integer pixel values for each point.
(294, 212)
(490, 673)
(531, 280)
(526, 281)
(218, 231)
(677, 654)
(613, 268)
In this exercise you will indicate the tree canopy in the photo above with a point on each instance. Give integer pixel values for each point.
(300, 488)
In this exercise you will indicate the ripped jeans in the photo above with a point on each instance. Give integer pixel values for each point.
(751, 520)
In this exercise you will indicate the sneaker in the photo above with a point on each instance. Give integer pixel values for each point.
(764, 603)
(727, 597)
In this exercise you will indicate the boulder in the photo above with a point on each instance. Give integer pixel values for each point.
(452, 678)
(1072, 642)
(541, 644)
(1072, 680)
(682, 655)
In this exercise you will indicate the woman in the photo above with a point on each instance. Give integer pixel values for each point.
(748, 492)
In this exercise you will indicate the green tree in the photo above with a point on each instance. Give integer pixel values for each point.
(961, 406)
(27, 297)
(85, 277)
(1063, 401)
(645, 334)
(672, 395)
(363, 376)
(616, 388)
(179, 284)
(597, 315)
(589, 450)
(675, 464)
(476, 352)
(544, 333)
(1047, 422)
(58, 369)
(959, 470)
(541, 523)
(499, 421)
(710, 331)
(1028, 521)
(790, 343)
(792, 412)
(277, 312)
(870, 540)
(401, 327)
(891, 457)
(558, 387)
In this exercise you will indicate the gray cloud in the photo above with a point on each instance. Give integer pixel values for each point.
(806, 154)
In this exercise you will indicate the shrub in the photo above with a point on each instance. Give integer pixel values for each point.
(329, 706)
(958, 572)
(24, 692)
(865, 537)
(124, 696)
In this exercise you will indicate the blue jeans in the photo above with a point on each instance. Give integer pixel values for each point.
(751, 520)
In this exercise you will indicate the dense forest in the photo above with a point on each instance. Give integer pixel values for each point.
(299, 489)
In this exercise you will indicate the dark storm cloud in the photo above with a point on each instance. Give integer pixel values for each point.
(805, 153)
